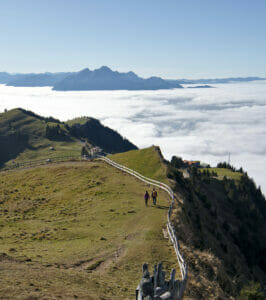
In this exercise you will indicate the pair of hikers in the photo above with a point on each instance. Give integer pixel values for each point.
(153, 195)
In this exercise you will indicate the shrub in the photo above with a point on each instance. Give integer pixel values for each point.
(251, 292)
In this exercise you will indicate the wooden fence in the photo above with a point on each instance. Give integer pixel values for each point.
(173, 289)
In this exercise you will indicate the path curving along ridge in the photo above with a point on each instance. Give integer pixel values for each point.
(170, 228)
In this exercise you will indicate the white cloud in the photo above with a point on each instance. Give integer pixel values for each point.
(204, 124)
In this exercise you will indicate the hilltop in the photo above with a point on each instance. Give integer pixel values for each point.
(149, 162)
(26, 136)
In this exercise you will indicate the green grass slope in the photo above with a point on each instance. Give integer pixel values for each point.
(223, 172)
(148, 162)
(77, 230)
(23, 138)
(95, 133)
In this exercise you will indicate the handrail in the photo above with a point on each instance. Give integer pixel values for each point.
(159, 184)
(170, 228)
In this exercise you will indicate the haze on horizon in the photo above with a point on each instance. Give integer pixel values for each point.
(170, 39)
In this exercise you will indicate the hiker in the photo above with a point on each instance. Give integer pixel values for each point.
(146, 197)
(154, 196)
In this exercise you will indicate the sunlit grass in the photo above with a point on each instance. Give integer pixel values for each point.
(78, 229)
(145, 161)
(221, 172)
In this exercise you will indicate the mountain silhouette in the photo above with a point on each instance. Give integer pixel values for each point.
(106, 79)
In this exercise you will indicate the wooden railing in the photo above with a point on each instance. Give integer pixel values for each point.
(177, 287)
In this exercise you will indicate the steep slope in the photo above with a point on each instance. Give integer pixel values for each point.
(106, 79)
(77, 230)
(97, 134)
(220, 219)
(26, 136)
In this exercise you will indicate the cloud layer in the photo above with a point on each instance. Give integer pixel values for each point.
(204, 124)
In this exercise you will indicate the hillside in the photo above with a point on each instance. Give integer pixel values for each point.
(95, 133)
(26, 136)
(220, 219)
(148, 162)
(78, 230)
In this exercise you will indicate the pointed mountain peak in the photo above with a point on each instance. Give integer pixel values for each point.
(131, 74)
(104, 69)
(86, 70)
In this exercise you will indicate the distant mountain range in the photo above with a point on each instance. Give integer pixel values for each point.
(214, 80)
(32, 79)
(104, 79)
(206, 86)
(100, 79)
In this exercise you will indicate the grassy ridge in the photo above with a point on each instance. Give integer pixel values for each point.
(23, 138)
(77, 229)
(81, 121)
(147, 162)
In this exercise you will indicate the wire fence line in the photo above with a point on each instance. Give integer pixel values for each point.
(181, 284)
(45, 161)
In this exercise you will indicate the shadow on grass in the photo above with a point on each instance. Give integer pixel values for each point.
(158, 206)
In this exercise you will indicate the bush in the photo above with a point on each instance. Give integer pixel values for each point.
(251, 292)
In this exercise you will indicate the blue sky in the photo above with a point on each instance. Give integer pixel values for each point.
(168, 38)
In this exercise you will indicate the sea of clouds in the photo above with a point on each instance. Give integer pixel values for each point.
(200, 124)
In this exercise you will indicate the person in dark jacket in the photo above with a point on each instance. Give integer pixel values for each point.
(154, 196)
(146, 198)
